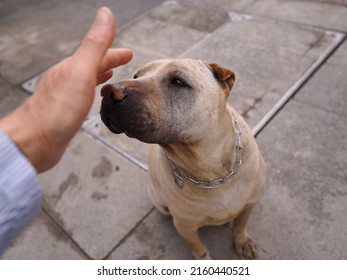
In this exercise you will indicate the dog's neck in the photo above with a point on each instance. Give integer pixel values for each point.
(210, 157)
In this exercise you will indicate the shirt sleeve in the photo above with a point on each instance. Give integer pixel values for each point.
(20, 192)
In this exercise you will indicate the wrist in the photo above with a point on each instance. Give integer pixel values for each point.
(20, 127)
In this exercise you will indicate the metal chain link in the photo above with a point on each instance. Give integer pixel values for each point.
(181, 177)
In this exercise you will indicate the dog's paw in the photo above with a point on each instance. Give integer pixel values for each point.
(245, 247)
(203, 256)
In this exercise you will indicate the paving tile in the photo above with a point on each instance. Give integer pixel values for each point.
(10, 97)
(327, 88)
(28, 47)
(160, 37)
(154, 238)
(95, 195)
(35, 36)
(302, 212)
(43, 240)
(169, 30)
(339, 57)
(196, 18)
(308, 12)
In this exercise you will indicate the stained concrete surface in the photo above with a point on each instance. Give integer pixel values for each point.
(96, 204)
(95, 192)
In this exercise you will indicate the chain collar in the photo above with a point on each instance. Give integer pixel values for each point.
(181, 177)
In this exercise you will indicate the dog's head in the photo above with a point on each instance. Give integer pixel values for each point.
(168, 101)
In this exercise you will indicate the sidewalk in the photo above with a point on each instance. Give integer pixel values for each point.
(96, 205)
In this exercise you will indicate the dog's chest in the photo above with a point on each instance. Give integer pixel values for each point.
(209, 206)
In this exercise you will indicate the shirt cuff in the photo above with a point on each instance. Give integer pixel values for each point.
(20, 192)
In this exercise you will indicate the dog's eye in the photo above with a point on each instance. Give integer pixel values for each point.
(177, 82)
(135, 76)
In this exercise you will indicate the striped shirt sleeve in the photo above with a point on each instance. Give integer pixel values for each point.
(20, 192)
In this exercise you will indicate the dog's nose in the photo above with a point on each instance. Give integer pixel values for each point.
(114, 90)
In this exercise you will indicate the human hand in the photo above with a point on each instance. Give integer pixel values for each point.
(43, 126)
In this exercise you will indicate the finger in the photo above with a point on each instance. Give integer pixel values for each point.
(97, 41)
(114, 58)
(104, 77)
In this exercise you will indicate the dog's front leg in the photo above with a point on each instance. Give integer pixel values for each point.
(190, 234)
(243, 243)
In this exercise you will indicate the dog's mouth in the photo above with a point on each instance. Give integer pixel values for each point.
(113, 126)
(116, 127)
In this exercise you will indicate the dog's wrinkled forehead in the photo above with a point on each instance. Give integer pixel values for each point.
(188, 68)
(198, 72)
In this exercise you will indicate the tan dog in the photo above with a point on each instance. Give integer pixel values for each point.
(207, 168)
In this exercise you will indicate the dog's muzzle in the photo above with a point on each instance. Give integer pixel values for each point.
(122, 109)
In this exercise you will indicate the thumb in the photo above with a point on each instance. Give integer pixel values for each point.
(98, 39)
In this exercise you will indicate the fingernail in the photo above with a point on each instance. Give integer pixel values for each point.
(103, 16)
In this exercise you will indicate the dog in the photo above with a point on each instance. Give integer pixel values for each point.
(206, 168)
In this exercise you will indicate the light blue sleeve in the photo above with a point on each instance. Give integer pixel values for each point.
(20, 192)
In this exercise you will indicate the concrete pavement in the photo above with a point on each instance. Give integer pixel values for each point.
(96, 206)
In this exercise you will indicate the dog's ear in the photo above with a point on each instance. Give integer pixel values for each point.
(223, 74)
